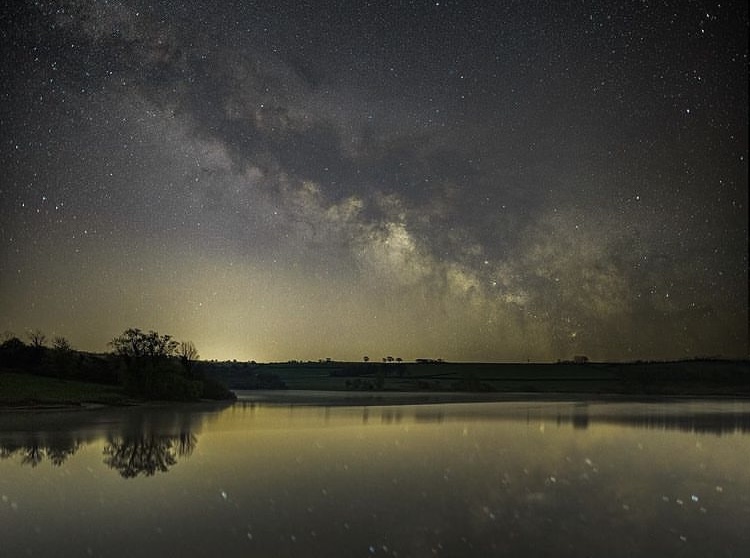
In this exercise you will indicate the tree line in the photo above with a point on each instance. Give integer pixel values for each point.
(145, 364)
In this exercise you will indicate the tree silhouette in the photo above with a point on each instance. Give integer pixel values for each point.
(188, 355)
(63, 357)
(37, 338)
(146, 357)
(150, 367)
(136, 344)
(60, 343)
(14, 353)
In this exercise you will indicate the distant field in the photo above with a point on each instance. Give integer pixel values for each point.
(711, 377)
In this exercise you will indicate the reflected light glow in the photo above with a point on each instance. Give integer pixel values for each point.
(459, 479)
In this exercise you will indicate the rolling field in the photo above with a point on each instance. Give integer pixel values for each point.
(710, 377)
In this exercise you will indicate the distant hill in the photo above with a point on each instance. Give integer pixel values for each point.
(687, 377)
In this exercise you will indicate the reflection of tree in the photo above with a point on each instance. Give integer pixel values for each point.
(700, 422)
(58, 453)
(131, 456)
(34, 451)
(147, 454)
(186, 442)
(660, 418)
(138, 441)
(32, 455)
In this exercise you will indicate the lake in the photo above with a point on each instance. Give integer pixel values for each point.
(268, 478)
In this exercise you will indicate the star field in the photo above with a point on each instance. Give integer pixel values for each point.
(298, 180)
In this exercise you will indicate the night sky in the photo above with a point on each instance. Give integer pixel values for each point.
(480, 181)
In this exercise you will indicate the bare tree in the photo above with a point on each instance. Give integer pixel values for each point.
(187, 350)
(37, 338)
(188, 354)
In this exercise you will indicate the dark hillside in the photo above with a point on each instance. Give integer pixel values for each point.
(689, 377)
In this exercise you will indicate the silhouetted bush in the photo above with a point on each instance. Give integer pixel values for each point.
(155, 366)
(172, 386)
(14, 353)
(213, 389)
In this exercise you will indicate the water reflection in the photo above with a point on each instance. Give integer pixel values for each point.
(149, 441)
(129, 455)
(147, 455)
(694, 418)
(700, 423)
(698, 416)
(36, 447)
(142, 441)
(534, 478)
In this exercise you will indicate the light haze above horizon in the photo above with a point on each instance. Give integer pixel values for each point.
(472, 181)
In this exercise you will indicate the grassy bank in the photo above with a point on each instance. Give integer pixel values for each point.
(27, 390)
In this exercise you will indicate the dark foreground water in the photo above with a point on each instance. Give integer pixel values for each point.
(460, 480)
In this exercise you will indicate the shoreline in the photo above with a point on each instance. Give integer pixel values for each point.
(343, 398)
(72, 406)
(354, 398)
(395, 398)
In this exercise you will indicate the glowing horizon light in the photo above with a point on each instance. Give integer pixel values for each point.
(371, 193)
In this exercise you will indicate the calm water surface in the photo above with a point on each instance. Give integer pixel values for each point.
(564, 478)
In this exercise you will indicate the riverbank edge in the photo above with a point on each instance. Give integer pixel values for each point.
(313, 398)
(395, 398)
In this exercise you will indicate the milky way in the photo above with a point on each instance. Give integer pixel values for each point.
(495, 181)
